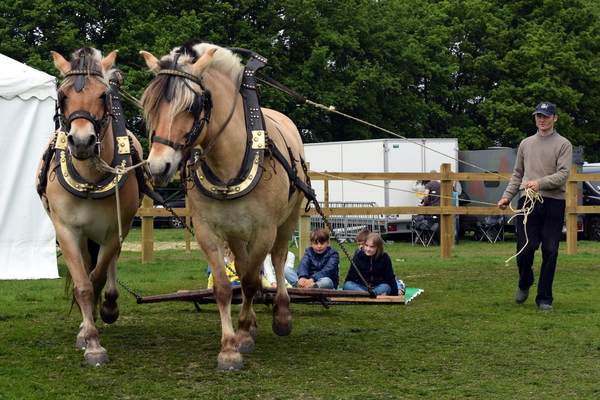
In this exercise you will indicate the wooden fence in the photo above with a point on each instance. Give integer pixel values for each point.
(446, 210)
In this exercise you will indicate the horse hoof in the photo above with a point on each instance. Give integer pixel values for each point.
(109, 316)
(246, 347)
(97, 358)
(230, 363)
(80, 343)
(282, 329)
(253, 333)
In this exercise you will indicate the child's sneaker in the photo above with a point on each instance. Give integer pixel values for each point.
(401, 287)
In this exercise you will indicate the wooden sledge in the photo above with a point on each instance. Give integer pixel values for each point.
(267, 295)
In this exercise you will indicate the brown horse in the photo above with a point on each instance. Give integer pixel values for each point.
(201, 110)
(79, 195)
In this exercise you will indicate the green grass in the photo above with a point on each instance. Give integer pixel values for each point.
(464, 337)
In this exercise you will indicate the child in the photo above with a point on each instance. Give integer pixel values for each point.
(361, 236)
(267, 275)
(229, 268)
(319, 268)
(375, 266)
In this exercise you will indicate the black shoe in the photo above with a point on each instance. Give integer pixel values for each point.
(521, 296)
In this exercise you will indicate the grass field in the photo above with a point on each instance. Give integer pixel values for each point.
(464, 337)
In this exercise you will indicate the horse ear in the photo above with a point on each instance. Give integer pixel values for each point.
(108, 61)
(63, 65)
(151, 61)
(203, 63)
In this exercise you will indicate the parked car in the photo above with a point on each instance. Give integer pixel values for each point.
(591, 197)
(174, 199)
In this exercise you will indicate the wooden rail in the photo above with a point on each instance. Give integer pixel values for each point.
(445, 210)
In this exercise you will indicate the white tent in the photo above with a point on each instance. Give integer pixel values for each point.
(27, 237)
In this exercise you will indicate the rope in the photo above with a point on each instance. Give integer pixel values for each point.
(131, 98)
(392, 188)
(531, 198)
(118, 170)
(332, 109)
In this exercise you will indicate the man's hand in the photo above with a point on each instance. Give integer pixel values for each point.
(503, 203)
(533, 185)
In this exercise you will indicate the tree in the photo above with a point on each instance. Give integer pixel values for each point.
(471, 69)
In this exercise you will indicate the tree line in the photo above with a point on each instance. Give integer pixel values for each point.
(470, 69)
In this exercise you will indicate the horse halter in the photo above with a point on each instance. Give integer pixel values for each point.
(202, 103)
(80, 73)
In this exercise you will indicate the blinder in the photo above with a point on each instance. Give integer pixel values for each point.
(202, 103)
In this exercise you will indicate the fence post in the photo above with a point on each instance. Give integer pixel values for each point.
(147, 232)
(188, 222)
(303, 234)
(446, 220)
(571, 222)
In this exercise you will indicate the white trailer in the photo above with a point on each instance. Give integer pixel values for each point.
(379, 155)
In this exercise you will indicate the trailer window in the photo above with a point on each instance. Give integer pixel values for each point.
(491, 184)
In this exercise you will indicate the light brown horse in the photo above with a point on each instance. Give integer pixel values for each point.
(195, 101)
(80, 197)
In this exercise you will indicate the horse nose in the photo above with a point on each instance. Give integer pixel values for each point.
(82, 146)
(160, 176)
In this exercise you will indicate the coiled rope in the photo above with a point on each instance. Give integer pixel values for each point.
(531, 198)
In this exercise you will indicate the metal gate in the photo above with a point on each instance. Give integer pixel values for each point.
(347, 226)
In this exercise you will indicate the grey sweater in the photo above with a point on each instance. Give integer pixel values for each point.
(546, 159)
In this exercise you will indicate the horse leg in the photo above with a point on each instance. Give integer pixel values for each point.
(109, 312)
(229, 358)
(282, 317)
(250, 265)
(83, 292)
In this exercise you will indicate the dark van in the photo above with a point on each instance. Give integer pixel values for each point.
(591, 197)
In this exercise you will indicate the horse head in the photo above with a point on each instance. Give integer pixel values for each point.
(84, 99)
(176, 106)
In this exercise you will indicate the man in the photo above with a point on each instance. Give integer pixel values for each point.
(543, 165)
(431, 195)
(431, 198)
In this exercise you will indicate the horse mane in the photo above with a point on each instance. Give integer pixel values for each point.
(153, 99)
(91, 61)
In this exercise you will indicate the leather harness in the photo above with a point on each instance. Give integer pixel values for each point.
(258, 145)
(125, 153)
(258, 142)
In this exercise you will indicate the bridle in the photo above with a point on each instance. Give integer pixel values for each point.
(80, 73)
(201, 106)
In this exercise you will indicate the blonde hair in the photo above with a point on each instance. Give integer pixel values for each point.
(377, 242)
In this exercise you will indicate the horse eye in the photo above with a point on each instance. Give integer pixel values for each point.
(103, 96)
(94, 116)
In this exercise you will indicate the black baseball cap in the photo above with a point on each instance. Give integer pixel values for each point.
(545, 108)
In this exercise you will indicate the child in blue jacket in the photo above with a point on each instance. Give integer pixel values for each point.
(320, 266)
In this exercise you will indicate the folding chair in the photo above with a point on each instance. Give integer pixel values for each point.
(294, 238)
(423, 229)
(492, 228)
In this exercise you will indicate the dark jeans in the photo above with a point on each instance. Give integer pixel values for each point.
(544, 225)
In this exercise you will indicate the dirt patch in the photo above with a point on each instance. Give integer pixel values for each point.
(137, 246)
